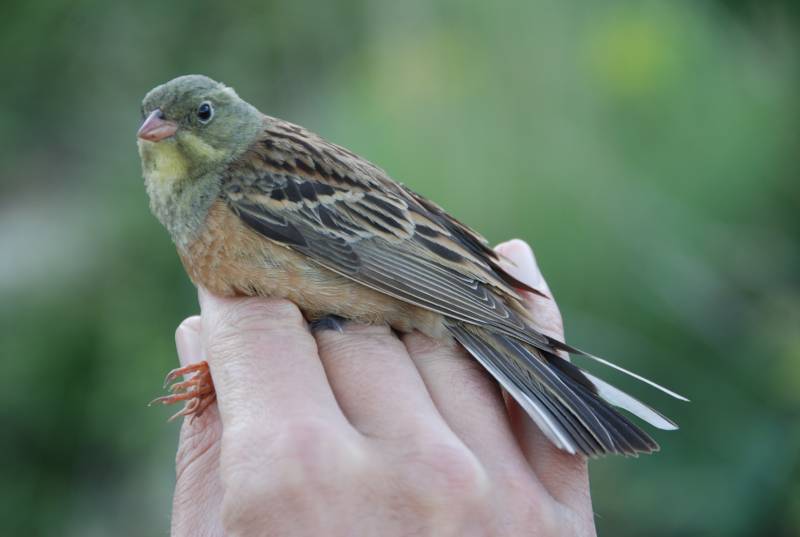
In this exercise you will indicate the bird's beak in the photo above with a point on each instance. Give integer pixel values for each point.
(155, 128)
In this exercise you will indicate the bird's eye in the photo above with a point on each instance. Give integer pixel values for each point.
(205, 112)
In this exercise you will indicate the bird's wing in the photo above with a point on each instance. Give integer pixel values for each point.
(347, 215)
(319, 199)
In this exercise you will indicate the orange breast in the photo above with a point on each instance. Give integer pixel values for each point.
(230, 259)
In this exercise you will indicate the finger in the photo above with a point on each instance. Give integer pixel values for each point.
(470, 402)
(520, 262)
(265, 364)
(198, 490)
(565, 476)
(188, 341)
(375, 382)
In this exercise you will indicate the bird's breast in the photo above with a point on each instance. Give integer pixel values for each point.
(230, 259)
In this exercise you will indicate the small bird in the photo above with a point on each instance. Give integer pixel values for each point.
(258, 206)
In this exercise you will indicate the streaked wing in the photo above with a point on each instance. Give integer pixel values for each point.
(346, 214)
(323, 201)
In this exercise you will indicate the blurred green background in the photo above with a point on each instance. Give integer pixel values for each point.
(648, 150)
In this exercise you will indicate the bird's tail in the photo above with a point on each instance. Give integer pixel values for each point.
(573, 408)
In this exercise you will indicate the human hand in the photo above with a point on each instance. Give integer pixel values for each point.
(364, 433)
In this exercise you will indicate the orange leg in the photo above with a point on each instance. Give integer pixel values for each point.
(197, 391)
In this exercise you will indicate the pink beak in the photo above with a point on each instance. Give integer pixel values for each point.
(155, 128)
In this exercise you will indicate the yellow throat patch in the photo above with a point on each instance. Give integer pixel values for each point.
(163, 164)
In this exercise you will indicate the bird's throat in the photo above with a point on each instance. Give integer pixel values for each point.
(179, 200)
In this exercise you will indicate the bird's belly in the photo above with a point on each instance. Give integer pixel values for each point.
(230, 259)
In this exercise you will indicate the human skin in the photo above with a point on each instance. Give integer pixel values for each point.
(364, 432)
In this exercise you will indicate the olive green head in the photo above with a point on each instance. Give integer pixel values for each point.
(192, 128)
(198, 123)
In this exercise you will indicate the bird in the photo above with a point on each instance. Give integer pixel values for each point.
(258, 206)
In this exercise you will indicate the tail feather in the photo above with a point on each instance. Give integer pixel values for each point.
(556, 387)
(511, 381)
(571, 407)
(560, 345)
(620, 399)
(611, 394)
(585, 441)
(628, 438)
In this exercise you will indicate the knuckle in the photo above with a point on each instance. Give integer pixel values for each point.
(519, 485)
(441, 356)
(254, 313)
(379, 330)
(532, 506)
(359, 340)
(364, 337)
(246, 322)
(293, 466)
(450, 474)
(424, 347)
(524, 497)
(312, 449)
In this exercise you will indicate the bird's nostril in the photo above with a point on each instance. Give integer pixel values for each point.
(161, 115)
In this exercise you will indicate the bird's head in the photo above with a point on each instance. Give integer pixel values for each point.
(192, 128)
(193, 125)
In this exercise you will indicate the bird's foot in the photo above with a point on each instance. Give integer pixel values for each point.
(197, 390)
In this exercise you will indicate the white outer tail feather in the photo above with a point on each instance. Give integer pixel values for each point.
(618, 398)
(634, 375)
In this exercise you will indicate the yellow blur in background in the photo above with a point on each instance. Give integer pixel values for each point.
(649, 151)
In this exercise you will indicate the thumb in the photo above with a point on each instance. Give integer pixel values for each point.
(198, 490)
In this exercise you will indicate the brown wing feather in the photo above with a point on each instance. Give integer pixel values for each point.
(320, 199)
(347, 215)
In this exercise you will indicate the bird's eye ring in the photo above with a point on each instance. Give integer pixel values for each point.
(205, 112)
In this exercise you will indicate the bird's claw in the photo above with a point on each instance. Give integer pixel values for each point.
(185, 370)
(198, 390)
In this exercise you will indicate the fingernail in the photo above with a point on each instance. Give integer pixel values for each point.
(521, 254)
(189, 342)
